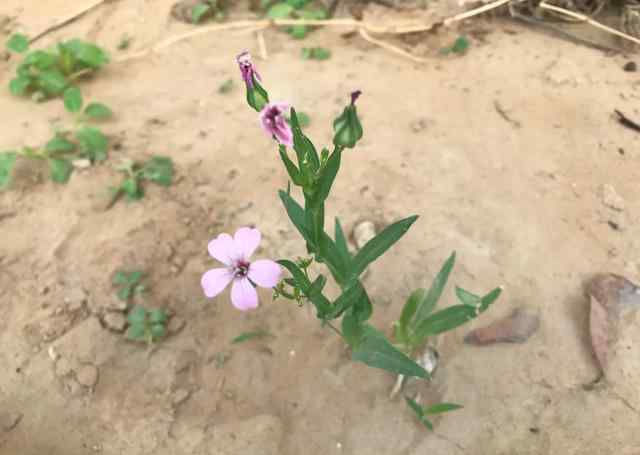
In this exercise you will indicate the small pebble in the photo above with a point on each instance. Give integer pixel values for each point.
(630, 67)
(87, 376)
(611, 198)
(114, 321)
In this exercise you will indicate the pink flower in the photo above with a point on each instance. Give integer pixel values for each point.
(273, 121)
(234, 253)
(247, 69)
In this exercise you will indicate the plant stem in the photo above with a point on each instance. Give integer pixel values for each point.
(334, 328)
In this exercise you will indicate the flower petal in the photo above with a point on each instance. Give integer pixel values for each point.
(243, 295)
(265, 273)
(246, 241)
(223, 249)
(215, 280)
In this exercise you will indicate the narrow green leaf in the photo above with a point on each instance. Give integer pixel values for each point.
(93, 144)
(18, 43)
(467, 298)
(7, 162)
(280, 11)
(137, 315)
(445, 320)
(198, 11)
(98, 111)
(346, 300)
(417, 409)
(376, 351)
(407, 314)
(296, 215)
(430, 299)
(158, 169)
(490, 298)
(120, 277)
(250, 336)
(352, 329)
(302, 145)
(311, 291)
(60, 169)
(327, 178)
(132, 189)
(20, 85)
(292, 170)
(341, 242)
(72, 98)
(375, 247)
(441, 407)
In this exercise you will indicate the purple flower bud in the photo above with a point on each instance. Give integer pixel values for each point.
(246, 69)
(274, 123)
(355, 95)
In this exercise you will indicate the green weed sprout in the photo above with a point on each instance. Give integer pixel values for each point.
(158, 169)
(129, 284)
(82, 141)
(146, 325)
(46, 74)
(294, 9)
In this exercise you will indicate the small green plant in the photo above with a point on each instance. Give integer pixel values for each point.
(315, 53)
(459, 46)
(45, 74)
(146, 325)
(294, 9)
(158, 169)
(250, 336)
(207, 9)
(423, 411)
(226, 87)
(129, 284)
(83, 141)
(124, 43)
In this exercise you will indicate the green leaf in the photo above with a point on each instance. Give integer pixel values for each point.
(297, 4)
(20, 85)
(346, 300)
(280, 11)
(376, 351)
(292, 170)
(441, 407)
(316, 53)
(430, 299)
(87, 53)
(7, 161)
(134, 277)
(52, 82)
(250, 336)
(226, 86)
(124, 293)
(72, 99)
(39, 59)
(341, 242)
(312, 13)
(298, 31)
(132, 189)
(307, 53)
(136, 332)
(137, 315)
(157, 316)
(311, 291)
(198, 11)
(296, 215)
(460, 45)
(327, 178)
(417, 409)
(302, 144)
(303, 119)
(59, 143)
(352, 329)
(60, 169)
(158, 331)
(375, 247)
(120, 277)
(98, 111)
(467, 298)
(489, 299)
(159, 169)
(93, 144)
(18, 43)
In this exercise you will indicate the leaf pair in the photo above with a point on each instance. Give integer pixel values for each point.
(423, 411)
(146, 325)
(158, 169)
(129, 283)
(73, 102)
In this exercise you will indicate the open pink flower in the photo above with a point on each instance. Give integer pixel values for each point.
(274, 123)
(234, 252)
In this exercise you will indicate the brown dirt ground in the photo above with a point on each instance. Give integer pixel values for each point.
(520, 202)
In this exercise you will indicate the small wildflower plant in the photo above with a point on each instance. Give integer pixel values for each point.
(314, 173)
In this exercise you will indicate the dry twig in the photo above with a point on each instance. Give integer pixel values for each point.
(67, 20)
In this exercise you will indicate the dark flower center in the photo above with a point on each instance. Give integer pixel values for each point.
(241, 269)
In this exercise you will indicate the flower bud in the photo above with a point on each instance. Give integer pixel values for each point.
(347, 127)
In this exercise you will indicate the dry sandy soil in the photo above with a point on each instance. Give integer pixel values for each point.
(519, 200)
